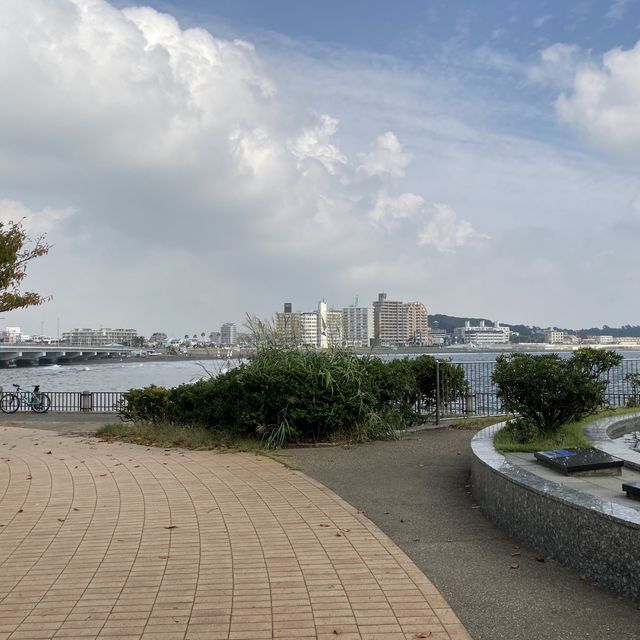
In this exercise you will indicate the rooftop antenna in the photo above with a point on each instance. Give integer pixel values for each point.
(355, 304)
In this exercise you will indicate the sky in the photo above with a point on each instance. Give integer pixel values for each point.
(193, 162)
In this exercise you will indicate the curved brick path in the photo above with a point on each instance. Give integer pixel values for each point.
(121, 541)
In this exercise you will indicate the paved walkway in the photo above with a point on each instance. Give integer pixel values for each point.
(121, 541)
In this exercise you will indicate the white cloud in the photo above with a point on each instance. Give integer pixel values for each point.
(34, 222)
(604, 102)
(388, 211)
(387, 157)
(444, 231)
(206, 185)
(557, 65)
(314, 144)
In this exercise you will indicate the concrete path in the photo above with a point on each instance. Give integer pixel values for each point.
(125, 542)
(417, 491)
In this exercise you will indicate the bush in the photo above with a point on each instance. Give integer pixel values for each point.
(548, 391)
(288, 396)
(149, 404)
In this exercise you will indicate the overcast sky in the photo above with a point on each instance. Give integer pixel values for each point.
(195, 161)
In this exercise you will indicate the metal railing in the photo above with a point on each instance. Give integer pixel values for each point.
(482, 400)
(81, 401)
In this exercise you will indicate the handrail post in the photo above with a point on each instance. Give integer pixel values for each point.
(86, 401)
(437, 392)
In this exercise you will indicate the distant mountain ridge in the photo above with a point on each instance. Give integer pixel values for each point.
(534, 333)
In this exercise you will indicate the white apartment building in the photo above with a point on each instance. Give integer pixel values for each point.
(228, 334)
(99, 337)
(482, 335)
(12, 335)
(357, 324)
(628, 341)
(309, 328)
(319, 329)
(553, 336)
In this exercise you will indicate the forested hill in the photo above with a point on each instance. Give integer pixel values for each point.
(449, 323)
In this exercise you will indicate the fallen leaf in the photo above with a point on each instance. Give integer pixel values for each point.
(48, 453)
(539, 558)
(515, 566)
(423, 634)
(325, 525)
(171, 526)
(76, 509)
(515, 552)
(338, 535)
(60, 519)
(20, 510)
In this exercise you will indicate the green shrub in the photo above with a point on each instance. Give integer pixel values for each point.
(548, 391)
(286, 396)
(149, 404)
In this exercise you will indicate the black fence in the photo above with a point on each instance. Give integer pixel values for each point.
(89, 401)
(482, 400)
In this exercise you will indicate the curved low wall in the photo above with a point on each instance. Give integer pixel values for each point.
(597, 538)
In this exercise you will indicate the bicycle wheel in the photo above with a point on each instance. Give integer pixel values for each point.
(41, 403)
(9, 403)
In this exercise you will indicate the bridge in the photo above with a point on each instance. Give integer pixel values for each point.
(34, 355)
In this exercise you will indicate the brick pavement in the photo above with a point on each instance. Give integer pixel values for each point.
(120, 541)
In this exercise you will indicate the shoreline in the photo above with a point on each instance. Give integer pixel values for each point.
(242, 354)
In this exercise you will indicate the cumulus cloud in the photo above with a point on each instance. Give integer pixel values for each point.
(444, 231)
(199, 178)
(387, 157)
(172, 139)
(604, 102)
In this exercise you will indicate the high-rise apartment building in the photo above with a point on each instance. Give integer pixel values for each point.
(416, 323)
(321, 328)
(388, 322)
(228, 334)
(399, 323)
(358, 325)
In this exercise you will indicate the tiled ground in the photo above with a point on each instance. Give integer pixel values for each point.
(121, 541)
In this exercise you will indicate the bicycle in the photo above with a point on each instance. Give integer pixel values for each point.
(38, 401)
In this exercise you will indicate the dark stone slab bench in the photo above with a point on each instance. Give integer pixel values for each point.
(580, 462)
(632, 489)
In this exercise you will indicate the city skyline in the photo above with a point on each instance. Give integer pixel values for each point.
(193, 162)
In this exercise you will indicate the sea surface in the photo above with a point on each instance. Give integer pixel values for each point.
(137, 373)
(111, 376)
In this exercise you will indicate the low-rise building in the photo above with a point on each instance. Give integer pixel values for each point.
(483, 335)
(554, 336)
(99, 337)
